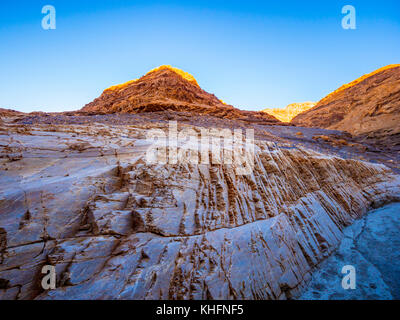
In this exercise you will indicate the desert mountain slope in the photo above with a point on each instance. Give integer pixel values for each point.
(291, 111)
(369, 105)
(168, 88)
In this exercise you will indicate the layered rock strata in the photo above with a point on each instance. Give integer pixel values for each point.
(85, 200)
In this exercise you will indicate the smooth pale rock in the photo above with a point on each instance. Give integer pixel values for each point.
(371, 246)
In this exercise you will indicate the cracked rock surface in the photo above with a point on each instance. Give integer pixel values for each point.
(371, 245)
(83, 199)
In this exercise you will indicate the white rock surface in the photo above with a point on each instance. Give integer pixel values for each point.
(83, 199)
(371, 245)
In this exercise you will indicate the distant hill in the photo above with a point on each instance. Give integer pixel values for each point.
(291, 111)
(9, 112)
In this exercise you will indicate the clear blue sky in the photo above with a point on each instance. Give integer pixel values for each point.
(252, 54)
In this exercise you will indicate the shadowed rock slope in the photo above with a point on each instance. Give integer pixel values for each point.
(368, 106)
(168, 88)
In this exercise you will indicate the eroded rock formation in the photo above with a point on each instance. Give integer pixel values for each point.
(83, 199)
(78, 192)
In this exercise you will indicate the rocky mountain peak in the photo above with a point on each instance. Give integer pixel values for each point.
(172, 90)
(161, 72)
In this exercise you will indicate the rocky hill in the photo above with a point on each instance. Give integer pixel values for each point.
(168, 89)
(291, 111)
(368, 106)
(9, 113)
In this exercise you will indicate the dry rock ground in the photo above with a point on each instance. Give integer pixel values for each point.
(371, 245)
(78, 194)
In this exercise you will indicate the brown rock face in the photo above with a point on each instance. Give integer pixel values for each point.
(9, 113)
(168, 88)
(291, 111)
(369, 105)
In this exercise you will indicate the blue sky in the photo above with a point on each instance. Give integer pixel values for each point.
(252, 54)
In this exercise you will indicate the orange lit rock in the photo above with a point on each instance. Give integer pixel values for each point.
(291, 111)
(368, 106)
(168, 88)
